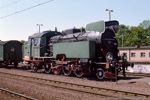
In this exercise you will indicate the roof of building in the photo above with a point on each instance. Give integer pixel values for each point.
(134, 48)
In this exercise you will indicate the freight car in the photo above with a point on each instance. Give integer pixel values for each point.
(10, 52)
(94, 51)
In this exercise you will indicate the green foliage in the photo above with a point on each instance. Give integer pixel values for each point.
(145, 24)
(82, 29)
(133, 36)
(24, 43)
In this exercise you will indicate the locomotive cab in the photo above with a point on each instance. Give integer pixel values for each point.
(38, 45)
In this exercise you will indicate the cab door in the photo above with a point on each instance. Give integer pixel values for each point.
(27, 55)
(28, 51)
(36, 47)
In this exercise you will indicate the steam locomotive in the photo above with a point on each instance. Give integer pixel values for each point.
(90, 51)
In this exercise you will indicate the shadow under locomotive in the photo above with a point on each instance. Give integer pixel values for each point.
(94, 78)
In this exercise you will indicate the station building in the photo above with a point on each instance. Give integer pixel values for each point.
(136, 54)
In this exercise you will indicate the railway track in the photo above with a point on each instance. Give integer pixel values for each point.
(138, 74)
(17, 94)
(124, 93)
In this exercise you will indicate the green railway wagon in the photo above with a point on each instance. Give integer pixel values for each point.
(81, 49)
(10, 52)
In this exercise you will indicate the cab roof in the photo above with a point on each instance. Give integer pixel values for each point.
(39, 35)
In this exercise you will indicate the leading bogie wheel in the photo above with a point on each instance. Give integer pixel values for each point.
(100, 74)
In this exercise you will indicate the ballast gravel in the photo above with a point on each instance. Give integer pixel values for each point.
(130, 83)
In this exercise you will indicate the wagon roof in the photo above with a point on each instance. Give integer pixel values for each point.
(4, 42)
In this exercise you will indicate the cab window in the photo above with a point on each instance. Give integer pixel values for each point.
(36, 42)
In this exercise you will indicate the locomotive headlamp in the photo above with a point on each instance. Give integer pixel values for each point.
(109, 57)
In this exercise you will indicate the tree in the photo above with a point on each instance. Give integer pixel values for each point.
(133, 36)
(145, 24)
(82, 29)
(23, 42)
(122, 34)
(137, 36)
(148, 36)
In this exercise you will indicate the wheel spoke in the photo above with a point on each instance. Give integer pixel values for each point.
(78, 72)
(57, 71)
(67, 70)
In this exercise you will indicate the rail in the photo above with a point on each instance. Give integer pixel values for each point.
(17, 94)
(84, 86)
(137, 74)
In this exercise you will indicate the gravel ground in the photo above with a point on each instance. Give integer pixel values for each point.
(7, 96)
(42, 92)
(132, 84)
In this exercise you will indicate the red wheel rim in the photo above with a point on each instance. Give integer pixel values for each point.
(67, 70)
(78, 72)
(47, 68)
(57, 71)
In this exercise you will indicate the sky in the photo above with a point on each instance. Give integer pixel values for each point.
(65, 14)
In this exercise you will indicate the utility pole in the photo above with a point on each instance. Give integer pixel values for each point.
(39, 25)
(109, 13)
(122, 38)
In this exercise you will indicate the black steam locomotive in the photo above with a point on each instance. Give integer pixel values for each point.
(90, 51)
